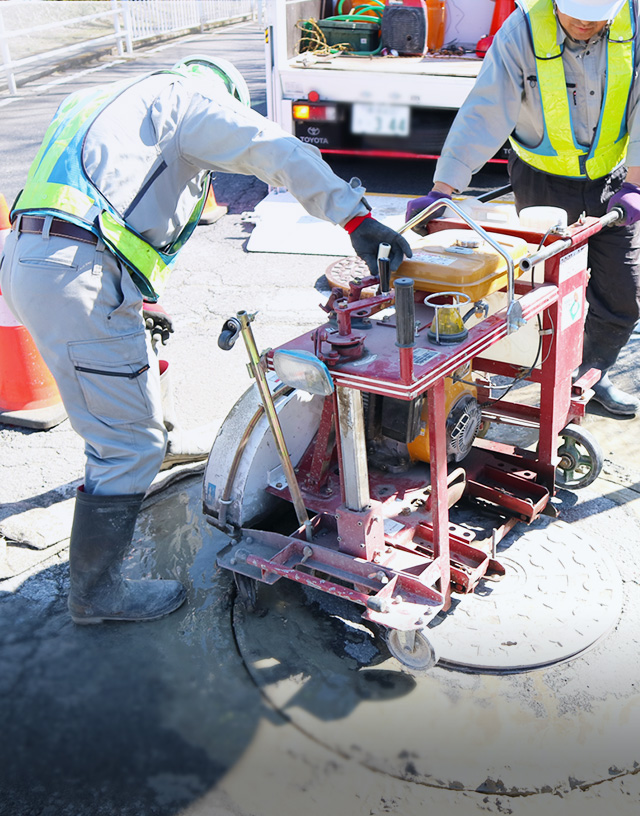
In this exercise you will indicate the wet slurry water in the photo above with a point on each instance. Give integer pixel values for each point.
(156, 718)
(125, 718)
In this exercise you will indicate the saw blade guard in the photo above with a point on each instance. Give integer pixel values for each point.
(244, 460)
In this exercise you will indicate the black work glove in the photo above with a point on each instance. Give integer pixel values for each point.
(157, 321)
(366, 236)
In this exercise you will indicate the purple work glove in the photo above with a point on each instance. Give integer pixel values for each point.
(157, 321)
(366, 236)
(628, 199)
(418, 204)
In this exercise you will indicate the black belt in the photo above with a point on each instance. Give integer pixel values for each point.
(34, 225)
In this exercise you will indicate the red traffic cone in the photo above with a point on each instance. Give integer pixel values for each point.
(212, 210)
(500, 13)
(29, 396)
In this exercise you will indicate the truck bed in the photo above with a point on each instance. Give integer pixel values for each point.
(467, 66)
(371, 104)
(434, 82)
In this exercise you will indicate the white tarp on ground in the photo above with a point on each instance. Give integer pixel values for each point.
(283, 225)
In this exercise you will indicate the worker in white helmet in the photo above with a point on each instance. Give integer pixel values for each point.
(560, 81)
(114, 192)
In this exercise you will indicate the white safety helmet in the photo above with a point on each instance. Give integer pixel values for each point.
(591, 10)
(200, 65)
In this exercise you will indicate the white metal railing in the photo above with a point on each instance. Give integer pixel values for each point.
(132, 21)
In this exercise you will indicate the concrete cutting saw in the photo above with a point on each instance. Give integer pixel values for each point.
(359, 462)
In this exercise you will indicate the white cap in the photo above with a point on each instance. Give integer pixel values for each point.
(591, 10)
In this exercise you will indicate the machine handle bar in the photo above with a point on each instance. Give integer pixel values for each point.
(490, 195)
(607, 220)
(514, 316)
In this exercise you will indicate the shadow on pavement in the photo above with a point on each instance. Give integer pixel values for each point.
(137, 718)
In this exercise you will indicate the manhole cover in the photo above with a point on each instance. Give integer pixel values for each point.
(572, 722)
(561, 593)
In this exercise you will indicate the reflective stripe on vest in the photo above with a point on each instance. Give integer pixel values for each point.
(58, 185)
(559, 153)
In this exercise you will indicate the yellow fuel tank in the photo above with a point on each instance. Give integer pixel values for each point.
(459, 260)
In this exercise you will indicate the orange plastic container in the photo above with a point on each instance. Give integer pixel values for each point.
(460, 261)
(436, 22)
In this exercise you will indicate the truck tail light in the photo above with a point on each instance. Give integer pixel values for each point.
(316, 113)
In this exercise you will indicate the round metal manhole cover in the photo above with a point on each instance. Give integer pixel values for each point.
(561, 593)
(571, 723)
(346, 270)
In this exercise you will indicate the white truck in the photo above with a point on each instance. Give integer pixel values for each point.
(371, 105)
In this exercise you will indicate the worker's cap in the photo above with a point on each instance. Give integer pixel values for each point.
(591, 10)
(202, 66)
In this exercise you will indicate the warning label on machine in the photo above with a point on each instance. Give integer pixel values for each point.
(573, 262)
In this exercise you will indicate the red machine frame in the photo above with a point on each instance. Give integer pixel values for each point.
(390, 544)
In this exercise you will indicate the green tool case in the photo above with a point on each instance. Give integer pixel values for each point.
(360, 36)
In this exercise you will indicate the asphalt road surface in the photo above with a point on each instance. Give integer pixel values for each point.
(207, 713)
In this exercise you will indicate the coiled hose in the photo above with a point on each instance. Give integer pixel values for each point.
(362, 13)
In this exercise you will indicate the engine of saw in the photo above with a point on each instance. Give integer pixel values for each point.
(407, 424)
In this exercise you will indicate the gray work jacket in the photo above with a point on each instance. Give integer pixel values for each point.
(161, 135)
(505, 100)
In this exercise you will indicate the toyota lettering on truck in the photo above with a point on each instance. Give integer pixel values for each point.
(376, 77)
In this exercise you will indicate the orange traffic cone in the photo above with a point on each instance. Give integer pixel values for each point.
(212, 210)
(29, 396)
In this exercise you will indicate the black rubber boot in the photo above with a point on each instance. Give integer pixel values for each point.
(613, 399)
(602, 345)
(101, 534)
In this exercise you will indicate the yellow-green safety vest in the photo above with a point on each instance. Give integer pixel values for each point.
(559, 153)
(58, 185)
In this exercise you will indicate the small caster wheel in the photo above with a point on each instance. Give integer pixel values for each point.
(581, 458)
(247, 589)
(229, 334)
(413, 649)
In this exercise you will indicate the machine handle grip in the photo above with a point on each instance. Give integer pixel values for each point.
(613, 217)
(384, 267)
(405, 313)
(497, 193)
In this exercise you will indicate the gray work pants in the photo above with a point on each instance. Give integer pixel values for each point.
(613, 293)
(84, 313)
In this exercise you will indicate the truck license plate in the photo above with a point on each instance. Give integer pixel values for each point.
(383, 120)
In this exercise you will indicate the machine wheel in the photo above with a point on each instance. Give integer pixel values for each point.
(581, 458)
(413, 649)
(483, 428)
(247, 589)
(229, 334)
